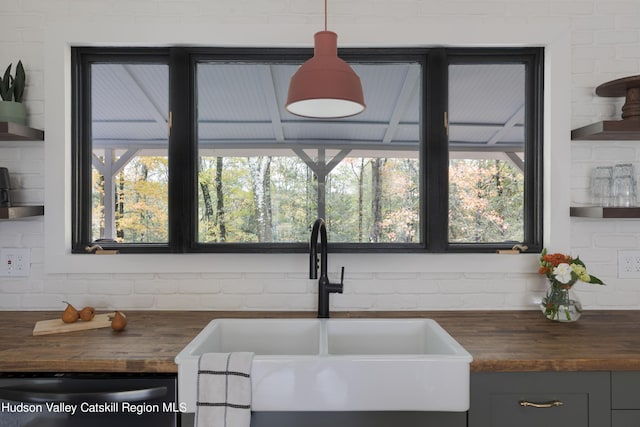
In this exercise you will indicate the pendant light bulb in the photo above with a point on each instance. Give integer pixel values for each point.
(325, 86)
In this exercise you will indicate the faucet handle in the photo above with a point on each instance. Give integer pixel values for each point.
(337, 287)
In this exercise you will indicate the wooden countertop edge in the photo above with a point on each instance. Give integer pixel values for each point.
(499, 341)
(166, 366)
(111, 366)
(578, 365)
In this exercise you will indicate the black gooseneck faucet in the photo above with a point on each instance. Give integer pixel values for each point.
(324, 286)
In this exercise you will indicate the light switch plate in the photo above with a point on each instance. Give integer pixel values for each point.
(15, 262)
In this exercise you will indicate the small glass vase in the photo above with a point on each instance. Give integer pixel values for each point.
(560, 303)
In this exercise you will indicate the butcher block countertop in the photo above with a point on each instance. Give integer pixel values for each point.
(499, 341)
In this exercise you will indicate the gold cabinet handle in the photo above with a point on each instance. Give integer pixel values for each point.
(552, 404)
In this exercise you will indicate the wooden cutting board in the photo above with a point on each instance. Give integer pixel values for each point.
(57, 326)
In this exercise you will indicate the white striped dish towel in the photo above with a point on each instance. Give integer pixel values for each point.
(224, 390)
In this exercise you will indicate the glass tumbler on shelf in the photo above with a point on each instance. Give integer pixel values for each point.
(623, 169)
(624, 191)
(601, 185)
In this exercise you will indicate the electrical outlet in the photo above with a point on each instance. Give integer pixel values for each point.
(15, 261)
(629, 264)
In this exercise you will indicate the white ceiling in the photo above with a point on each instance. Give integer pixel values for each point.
(242, 105)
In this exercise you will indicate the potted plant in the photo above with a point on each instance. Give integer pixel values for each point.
(11, 91)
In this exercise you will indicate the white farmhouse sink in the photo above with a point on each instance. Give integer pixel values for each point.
(338, 364)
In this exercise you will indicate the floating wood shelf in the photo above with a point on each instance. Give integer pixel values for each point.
(608, 130)
(627, 129)
(16, 212)
(15, 132)
(604, 212)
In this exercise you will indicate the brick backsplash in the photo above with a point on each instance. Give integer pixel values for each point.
(605, 45)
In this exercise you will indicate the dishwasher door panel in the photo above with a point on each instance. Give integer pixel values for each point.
(74, 400)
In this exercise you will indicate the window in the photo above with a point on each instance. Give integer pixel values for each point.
(129, 157)
(276, 172)
(191, 150)
(493, 149)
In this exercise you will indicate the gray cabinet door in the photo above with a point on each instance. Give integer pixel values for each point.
(625, 399)
(359, 419)
(625, 418)
(534, 399)
(351, 419)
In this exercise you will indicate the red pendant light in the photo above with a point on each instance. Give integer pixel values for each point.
(325, 86)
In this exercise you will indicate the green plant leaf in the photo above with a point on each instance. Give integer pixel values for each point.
(6, 91)
(595, 280)
(579, 262)
(19, 83)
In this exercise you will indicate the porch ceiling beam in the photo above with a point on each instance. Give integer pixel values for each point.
(406, 93)
(268, 86)
(137, 92)
(516, 117)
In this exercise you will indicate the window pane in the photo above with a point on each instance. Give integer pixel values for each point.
(129, 111)
(486, 153)
(265, 175)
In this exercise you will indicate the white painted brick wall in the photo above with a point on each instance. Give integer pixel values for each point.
(605, 45)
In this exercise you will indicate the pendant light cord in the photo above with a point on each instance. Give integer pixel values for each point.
(325, 15)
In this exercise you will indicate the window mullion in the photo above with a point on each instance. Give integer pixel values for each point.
(533, 190)
(81, 172)
(436, 152)
(182, 168)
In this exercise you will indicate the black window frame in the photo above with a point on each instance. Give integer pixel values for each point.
(183, 144)
(533, 60)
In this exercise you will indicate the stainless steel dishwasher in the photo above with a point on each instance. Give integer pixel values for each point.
(97, 400)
